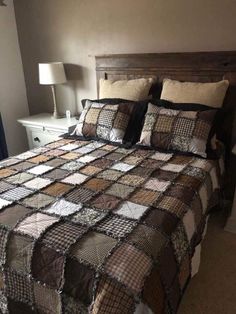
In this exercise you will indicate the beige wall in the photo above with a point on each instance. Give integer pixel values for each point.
(73, 31)
(13, 100)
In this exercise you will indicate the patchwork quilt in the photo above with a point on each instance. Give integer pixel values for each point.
(88, 227)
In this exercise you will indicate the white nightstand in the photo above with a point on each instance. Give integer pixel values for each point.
(42, 128)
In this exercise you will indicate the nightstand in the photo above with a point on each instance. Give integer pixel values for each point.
(42, 129)
(231, 222)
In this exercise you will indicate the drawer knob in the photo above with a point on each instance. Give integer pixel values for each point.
(36, 139)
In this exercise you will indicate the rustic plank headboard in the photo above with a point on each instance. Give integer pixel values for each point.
(190, 66)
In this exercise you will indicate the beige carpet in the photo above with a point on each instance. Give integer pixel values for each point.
(213, 289)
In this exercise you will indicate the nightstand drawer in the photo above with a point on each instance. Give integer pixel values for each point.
(40, 137)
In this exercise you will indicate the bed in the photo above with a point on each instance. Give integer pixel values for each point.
(92, 227)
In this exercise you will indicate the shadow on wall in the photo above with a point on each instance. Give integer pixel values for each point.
(75, 80)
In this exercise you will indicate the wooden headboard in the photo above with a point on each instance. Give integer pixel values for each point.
(190, 66)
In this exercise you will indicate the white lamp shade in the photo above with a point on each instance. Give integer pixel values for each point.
(51, 73)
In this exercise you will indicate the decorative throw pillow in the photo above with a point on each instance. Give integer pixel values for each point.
(136, 90)
(104, 121)
(184, 131)
(209, 94)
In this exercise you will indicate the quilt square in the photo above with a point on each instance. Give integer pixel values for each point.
(76, 178)
(109, 174)
(115, 156)
(86, 159)
(132, 180)
(48, 266)
(57, 189)
(6, 172)
(46, 300)
(132, 159)
(88, 216)
(63, 208)
(129, 266)
(179, 242)
(98, 153)
(105, 202)
(16, 194)
(131, 210)
(93, 248)
(8, 162)
(69, 147)
(38, 200)
(151, 164)
(35, 224)
(116, 226)
(96, 184)
(18, 287)
(26, 155)
(23, 165)
(172, 205)
(37, 183)
(85, 149)
(56, 174)
(39, 159)
(121, 166)
(10, 215)
(19, 252)
(41, 169)
(120, 190)
(4, 203)
(72, 166)
(54, 152)
(90, 170)
(157, 185)
(4, 186)
(62, 235)
(144, 197)
(141, 171)
(55, 162)
(173, 167)
(161, 156)
(80, 195)
(102, 163)
(4, 237)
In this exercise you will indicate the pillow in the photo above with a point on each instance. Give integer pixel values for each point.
(177, 130)
(135, 125)
(104, 121)
(209, 94)
(127, 89)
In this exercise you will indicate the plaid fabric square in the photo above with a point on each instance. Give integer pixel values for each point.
(16, 194)
(164, 124)
(4, 186)
(121, 121)
(90, 170)
(109, 174)
(3, 242)
(6, 172)
(39, 159)
(46, 300)
(57, 189)
(148, 240)
(105, 202)
(38, 200)
(111, 297)
(19, 252)
(184, 127)
(118, 227)
(172, 205)
(96, 184)
(10, 215)
(37, 183)
(144, 197)
(180, 243)
(63, 208)
(56, 174)
(120, 190)
(93, 248)
(18, 287)
(79, 195)
(132, 180)
(129, 266)
(88, 216)
(72, 166)
(41, 169)
(201, 129)
(4, 203)
(106, 118)
(75, 178)
(92, 116)
(62, 235)
(3, 303)
(19, 178)
(131, 210)
(121, 166)
(157, 185)
(35, 224)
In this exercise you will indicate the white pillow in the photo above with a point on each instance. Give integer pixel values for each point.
(135, 90)
(209, 94)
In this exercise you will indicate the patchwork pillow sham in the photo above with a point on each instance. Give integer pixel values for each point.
(104, 121)
(177, 130)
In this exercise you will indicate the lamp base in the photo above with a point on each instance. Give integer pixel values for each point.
(56, 115)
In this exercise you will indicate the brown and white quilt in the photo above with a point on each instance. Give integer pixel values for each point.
(88, 227)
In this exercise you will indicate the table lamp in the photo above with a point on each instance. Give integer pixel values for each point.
(52, 74)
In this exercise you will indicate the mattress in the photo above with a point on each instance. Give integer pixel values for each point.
(89, 227)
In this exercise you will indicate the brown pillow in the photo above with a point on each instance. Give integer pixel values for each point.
(104, 121)
(209, 94)
(184, 131)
